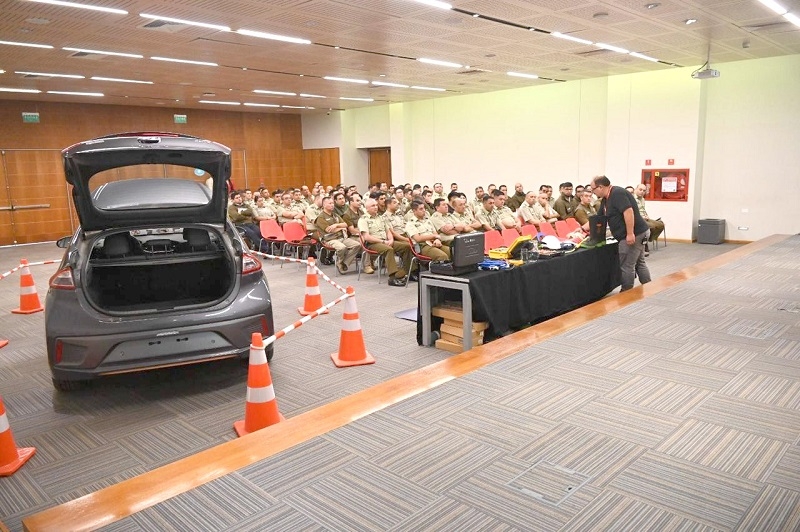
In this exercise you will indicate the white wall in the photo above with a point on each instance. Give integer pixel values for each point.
(739, 136)
(751, 166)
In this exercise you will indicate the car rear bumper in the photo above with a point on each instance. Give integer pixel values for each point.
(87, 357)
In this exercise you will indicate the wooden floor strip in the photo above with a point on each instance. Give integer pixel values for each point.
(121, 500)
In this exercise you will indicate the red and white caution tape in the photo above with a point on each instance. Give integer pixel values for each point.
(300, 322)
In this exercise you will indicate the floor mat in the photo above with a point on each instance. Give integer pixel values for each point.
(410, 314)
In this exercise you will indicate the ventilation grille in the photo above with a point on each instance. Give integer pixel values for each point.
(88, 55)
(472, 71)
(164, 26)
(770, 27)
(595, 53)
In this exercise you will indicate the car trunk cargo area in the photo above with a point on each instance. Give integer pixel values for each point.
(156, 275)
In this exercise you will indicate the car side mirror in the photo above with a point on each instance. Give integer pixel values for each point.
(63, 242)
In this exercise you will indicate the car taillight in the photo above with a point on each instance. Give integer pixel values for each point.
(62, 280)
(250, 264)
(59, 351)
(264, 327)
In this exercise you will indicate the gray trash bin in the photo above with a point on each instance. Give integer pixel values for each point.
(710, 231)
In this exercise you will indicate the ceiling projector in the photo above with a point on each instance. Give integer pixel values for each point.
(705, 74)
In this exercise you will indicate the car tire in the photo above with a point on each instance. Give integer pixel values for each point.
(68, 385)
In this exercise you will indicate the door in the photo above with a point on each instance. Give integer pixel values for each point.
(380, 165)
(34, 202)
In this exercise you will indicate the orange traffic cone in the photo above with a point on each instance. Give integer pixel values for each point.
(313, 299)
(3, 343)
(28, 298)
(261, 409)
(352, 351)
(11, 458)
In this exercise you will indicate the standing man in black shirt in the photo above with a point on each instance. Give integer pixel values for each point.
(627, 226)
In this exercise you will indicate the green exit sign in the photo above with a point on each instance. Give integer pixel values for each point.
(30, 118)
(179, 119)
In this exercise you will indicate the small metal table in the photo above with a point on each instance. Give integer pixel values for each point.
(428, 300)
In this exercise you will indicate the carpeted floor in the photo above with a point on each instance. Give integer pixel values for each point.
(635, 386)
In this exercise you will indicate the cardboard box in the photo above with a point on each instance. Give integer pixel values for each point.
(477, 326)
(458, 332)
(476, 340)
(449, 312)
(449, 346)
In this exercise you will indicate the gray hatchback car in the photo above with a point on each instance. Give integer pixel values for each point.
(155, 276)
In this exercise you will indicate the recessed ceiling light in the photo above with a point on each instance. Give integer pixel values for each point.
(304, 95)
(357, 99)
(201, 63)
(11, 89)
(102, 52)
(121, 80)
(346, 80)
(48, 74)
(219, 102)
(600, 14)
(28, 44)
(435, 3)
(690, 21)
(187, 22)
(69, 93)
(522, 75)
(278, 93)
(82, 6)
(272, 36)
(422, 88)
(652, 5)
(438, 62)
(387, 84)
(564, 36)
(251, 104)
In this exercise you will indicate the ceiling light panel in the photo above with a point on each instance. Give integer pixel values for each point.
(272, 36)
(103, 52)
(78, 5)
(187, 61)
(49, 74)
(71, 93)
(25, 44)
(121, 80)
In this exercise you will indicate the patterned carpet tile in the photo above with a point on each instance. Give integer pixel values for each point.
(641, 311)
(58, 444)
(686, 489)
(617, 358)
(524, 365)
(374, 433)
(717, 356)
(631, 423)
(735, 452)
(445, 515)
(125, 423)
(726, 338)
(508, 504)
(360, 497)
(497, 425)
(772, 365)
(768, 389)
(76, 471)
(437, 459)
(787, 473)
(786, 347)
(585, 377)
(591, 332)
(598, 456)
(95, 485)
(701, 305)
(660, 395)
(488, 383)
(668, 330)
(21, 494)
(297, 467)
(615, 511)
(774, 509)
(279, 518)
(435, 404)
(767, 420)
(161, 444)
(644, 343)
(217, 505)
(688, 373)
(545, 399)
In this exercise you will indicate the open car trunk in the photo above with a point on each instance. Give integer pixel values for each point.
(165, 271)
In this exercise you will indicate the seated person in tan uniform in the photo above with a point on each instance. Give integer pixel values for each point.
(505, 216)
(421, 230)
(288, 212)
(440, 219)
(656, 226)
(487, 215)
(333, 232)
(463, 221)
(377, 237)
(585, 209)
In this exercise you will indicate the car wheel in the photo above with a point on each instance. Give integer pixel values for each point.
(269, 352)
(69, 386)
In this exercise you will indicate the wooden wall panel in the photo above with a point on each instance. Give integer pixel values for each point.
(267, 150)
